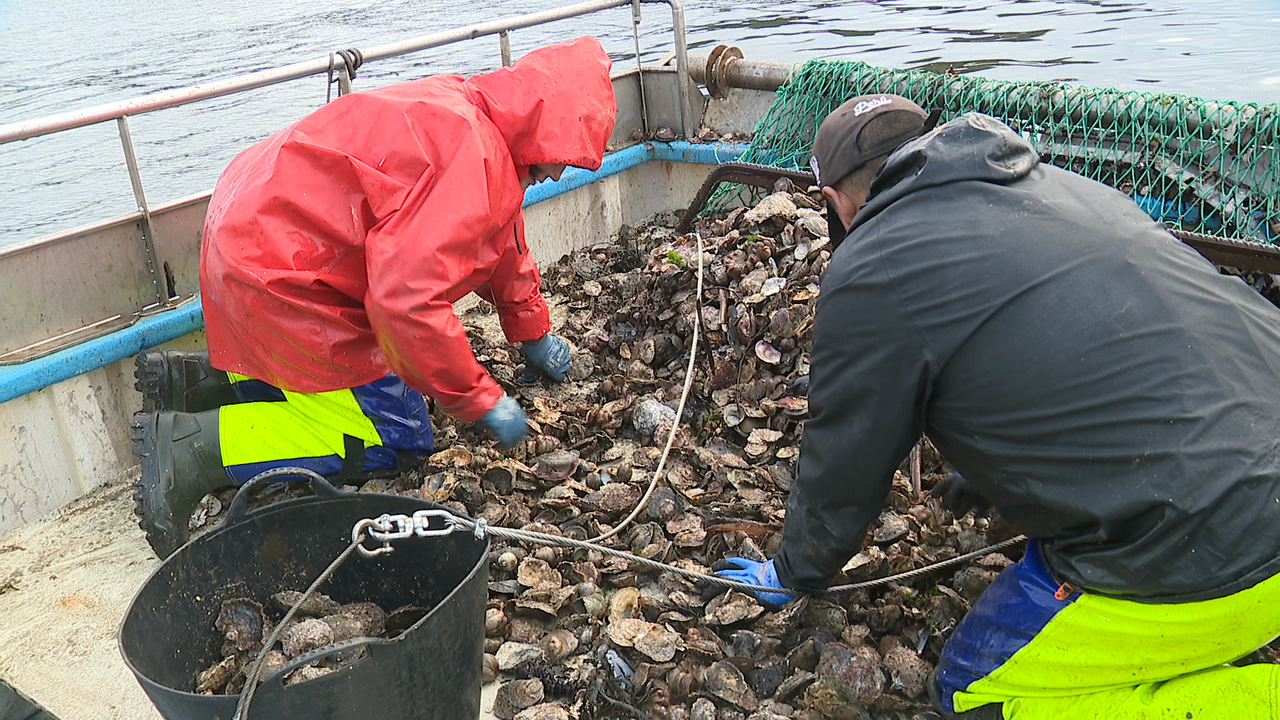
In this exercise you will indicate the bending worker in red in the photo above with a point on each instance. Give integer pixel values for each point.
(332, 254)
(1100, 383)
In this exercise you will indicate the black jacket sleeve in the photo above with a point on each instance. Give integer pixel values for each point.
(869, 386)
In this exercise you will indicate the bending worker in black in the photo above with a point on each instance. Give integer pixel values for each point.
(1098, 381)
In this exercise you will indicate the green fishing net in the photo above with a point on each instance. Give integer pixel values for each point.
(1200, 165)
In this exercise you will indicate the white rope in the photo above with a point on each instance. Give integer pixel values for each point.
(675, 425)
(591, 543)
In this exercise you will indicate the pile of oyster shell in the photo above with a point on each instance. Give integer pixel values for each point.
(581, 634)
(243, 625)
(576, 634)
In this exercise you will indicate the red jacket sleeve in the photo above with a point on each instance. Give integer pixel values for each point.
(423, 258)
(515, 289)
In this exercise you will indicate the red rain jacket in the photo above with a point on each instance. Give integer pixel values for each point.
(334, 250)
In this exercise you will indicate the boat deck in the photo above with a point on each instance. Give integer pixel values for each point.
(65, 582)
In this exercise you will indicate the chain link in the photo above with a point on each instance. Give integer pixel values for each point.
(388, 528)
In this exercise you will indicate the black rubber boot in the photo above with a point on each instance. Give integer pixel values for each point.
(993, 711)
(181, 463)
(180, 381)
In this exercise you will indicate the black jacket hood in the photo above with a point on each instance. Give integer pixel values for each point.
(971, 147)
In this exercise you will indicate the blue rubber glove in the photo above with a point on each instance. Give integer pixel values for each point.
(507, 421)
(550, 354)
(755, 573)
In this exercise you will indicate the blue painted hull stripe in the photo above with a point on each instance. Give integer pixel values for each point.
(19, 380)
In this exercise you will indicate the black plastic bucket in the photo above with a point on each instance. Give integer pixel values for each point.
(432, 670)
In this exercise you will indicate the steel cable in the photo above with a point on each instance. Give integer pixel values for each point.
(251, 676)
(481, 528)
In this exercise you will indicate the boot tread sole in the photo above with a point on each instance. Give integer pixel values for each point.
(151, 370)
(144, 446)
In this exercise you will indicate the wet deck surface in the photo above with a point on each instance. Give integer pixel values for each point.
(69, 579)
(65, 584)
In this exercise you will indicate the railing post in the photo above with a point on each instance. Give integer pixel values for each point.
(682, 67)
(635, 34)
(504, 42)
(148, 237)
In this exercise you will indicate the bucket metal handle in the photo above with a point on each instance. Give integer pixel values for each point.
(238, 512)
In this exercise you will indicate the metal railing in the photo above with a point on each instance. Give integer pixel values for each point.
(343, 63)
(181, 96)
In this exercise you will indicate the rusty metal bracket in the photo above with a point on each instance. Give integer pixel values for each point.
(717, 69)
(762, 176)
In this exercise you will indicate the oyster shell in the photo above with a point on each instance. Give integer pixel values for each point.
(516, 695)
(538, 575)
(512, 654)
(778, 205)
(731, 608)
(652, 640)
(724, 680)
(544, 711)
(624, 604)
(372, 618)
(216, 678)
(306, 636)
(241, 622)
(308, 672)
(558, 644)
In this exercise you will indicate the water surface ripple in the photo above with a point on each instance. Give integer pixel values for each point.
(70, 54)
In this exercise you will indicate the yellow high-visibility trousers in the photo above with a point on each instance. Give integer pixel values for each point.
(337, 433)
(1086, 656)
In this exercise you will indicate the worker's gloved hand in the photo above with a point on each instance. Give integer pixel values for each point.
(507, 421)
(550, 354)
(958, 496)
(754, 573)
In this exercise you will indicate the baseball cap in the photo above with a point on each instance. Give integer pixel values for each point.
(863, 129)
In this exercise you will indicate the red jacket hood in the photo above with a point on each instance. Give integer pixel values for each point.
(333, 252)
(553, 106)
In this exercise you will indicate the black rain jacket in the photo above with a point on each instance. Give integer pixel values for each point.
(1096, 379)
